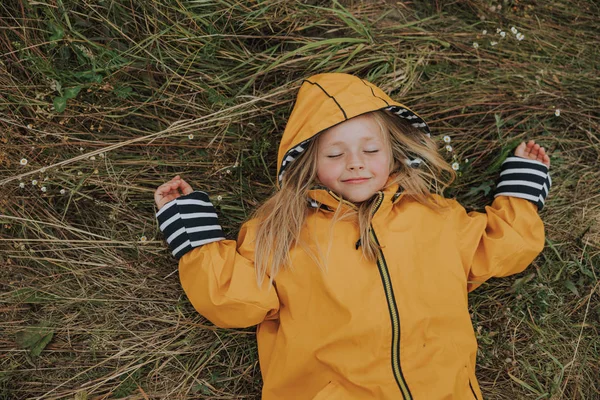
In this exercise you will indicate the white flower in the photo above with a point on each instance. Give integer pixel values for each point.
(498, 30)
(466, 160)
(493, 43)
(43, 169)
(81, 149)
(95, 171)
(34, 182)
(23, 161)
(190, 136)
(557, 112)
(63, 191)
(219, 198)
(22, 185)
(92, 158)
(503, 34)
(455, 166)
(448, 148)
(79, 173)
(101, 155)
(520, 36)
(143, 239)
(43, 188)
(484, 32)
(475, 44)
(514, 30)
(447, 139)
(29, 126)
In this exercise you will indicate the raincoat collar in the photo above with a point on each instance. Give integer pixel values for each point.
(324, 198)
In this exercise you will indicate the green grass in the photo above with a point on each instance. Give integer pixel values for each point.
(126, 82)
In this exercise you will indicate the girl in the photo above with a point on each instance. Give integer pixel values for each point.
(355, 273)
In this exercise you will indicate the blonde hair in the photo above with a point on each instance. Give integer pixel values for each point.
(282, 216)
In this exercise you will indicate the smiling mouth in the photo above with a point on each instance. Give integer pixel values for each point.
(356, 180)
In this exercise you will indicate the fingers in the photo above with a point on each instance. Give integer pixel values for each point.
(170, 190)
(185, 187)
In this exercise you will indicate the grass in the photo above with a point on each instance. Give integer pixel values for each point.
(100, 99)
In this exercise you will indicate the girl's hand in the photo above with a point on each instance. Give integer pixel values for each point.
(170, 191)
(533, 151)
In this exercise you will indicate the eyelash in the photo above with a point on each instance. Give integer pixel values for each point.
(370, 152)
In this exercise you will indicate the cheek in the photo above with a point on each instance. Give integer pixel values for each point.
(326, 171)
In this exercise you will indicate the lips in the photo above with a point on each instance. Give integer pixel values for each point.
(355, 180)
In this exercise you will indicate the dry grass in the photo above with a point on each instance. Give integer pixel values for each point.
(90, 310)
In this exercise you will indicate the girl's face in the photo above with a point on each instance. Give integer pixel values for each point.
(353, 159)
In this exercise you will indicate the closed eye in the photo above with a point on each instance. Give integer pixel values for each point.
(334, 156)
(371, 151)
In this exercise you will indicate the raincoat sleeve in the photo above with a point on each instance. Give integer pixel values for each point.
(216, 274)
(509, 235)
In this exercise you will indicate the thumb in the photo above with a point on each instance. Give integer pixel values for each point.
(185, 187)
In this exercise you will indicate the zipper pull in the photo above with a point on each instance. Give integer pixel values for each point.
(357, 244)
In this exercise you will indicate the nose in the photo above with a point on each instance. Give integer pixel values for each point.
(355, 163)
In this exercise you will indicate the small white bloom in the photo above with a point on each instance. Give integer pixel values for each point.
(447, 139)
(466, 160)
(475, 45)
(484, 32)
(22, 185)
(143, 239)
(101, 155)
(520, 36)
(219, 198)
(493, 43)
(228, 171)
(92, 158)
(43, 188)
(29, 126)
(514, 30)
(63, 191)
(79, 173)
(34, 182)
(190, 136)
(23, 161)
(455, 166)
(557, 112)
(498, 30)
(95, 171)
(448, 148)
(503, 34)
(81, 149)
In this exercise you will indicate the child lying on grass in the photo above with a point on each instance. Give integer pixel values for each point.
(355, 273)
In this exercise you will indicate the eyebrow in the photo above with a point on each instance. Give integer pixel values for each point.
(342, 142)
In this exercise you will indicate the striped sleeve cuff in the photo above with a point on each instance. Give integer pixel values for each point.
(524, 178)
(189, 221)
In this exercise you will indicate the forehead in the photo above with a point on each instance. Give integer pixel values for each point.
(362, 128)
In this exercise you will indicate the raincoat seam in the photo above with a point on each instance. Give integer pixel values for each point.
(330, 96)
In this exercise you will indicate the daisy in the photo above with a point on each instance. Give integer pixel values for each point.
(503, 34)
(557, 112)
(22, 185)
(448, 148)
(447, 139)
(34, 182)
(43, 188)
(514, 30)
(23, 161)
(455, 166)
(143, 239)
(475, 45)
(63, 191)
(190, 136)
(520, 36)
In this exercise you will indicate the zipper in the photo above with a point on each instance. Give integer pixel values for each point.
(472, 390)
(393, 309)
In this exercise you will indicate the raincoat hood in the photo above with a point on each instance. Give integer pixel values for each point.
(325, 100)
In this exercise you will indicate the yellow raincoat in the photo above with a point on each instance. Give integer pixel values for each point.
(395, 329)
